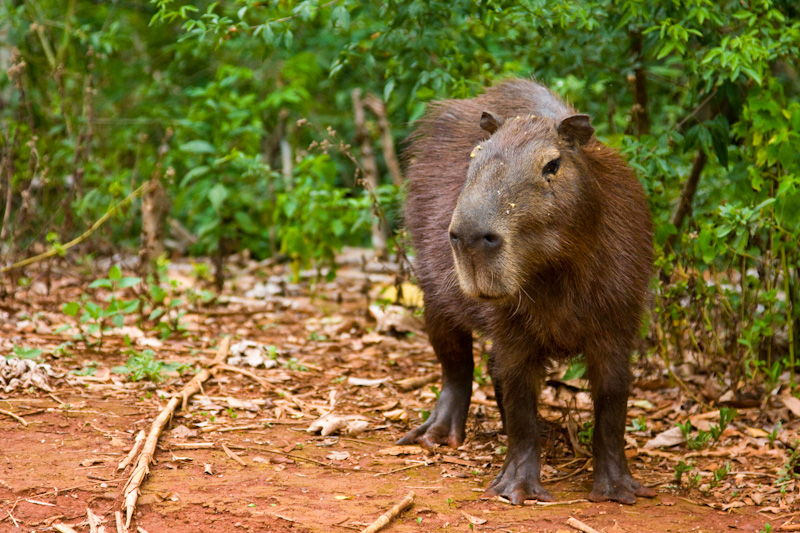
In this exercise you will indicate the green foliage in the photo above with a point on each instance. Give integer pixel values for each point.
(586, 433)
(93, 320)
(638, 424)
(680, 469)
(791, 470)
(88, 370)
(143, 365)
(703, 438)
(720, 474)
(576, 370)
(97, 98)
(24, 352)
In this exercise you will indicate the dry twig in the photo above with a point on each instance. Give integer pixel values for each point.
(15, 417)
(580, 526)
(131, 490)
(386, 518)
(120, 525)
(232, 455)
(137, 445)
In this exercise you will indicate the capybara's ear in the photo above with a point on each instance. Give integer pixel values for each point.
(491, 122)
(577, 128)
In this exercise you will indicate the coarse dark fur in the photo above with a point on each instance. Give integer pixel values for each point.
(531, 231)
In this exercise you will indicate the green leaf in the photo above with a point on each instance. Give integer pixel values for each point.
(576, 370)
(217, 196)
(27, 353)
(114, 273)
(197, 147)
(105, 283)
(126, 282)
(129, 306)
(71, 308)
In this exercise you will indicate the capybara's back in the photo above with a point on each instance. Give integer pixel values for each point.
(527, 229)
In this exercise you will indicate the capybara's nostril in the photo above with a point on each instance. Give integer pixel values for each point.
(453, 239)
(492, 241)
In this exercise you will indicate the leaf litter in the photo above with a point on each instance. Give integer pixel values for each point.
(328, 376)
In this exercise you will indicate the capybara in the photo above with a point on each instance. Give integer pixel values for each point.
(532, 232)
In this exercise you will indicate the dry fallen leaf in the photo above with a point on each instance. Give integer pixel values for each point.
(398, 415)
(356, 427)
(792, 403)
(366, 382)
(327, 424)
(668, 438)
(338, 456)
(474, 520)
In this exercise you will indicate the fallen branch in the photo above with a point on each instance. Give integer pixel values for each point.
(263, 382)
(131, 490)
(58, 250)
(94, 521)
(386, 518)
(232, 455)
(15, 417)
(120, 525)
(580, 526)
(137, 445)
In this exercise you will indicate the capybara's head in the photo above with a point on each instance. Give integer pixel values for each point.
(527, 190)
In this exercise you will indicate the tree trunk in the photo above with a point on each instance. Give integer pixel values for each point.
(684, 207)
(387, 141)
(370, 167)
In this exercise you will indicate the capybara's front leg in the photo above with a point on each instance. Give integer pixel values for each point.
(610, 377)
(447, 422)
(519, 479)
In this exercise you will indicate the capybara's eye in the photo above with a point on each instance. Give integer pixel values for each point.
(551, 167)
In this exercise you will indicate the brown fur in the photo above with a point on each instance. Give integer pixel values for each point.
(565, 270)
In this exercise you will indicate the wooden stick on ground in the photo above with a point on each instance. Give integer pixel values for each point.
(386, 518)
(120, 526)
(131, 490)
(15, 417)
(137, 445)
(232, 455)
(580, 526)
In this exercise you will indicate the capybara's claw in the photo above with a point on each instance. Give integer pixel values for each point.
(432, 434)
(622, 490)
(517, 491)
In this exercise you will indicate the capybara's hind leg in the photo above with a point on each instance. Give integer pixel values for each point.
(453, 347)
(498, 388)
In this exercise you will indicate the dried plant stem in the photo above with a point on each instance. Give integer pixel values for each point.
(580, 526)
(137, 446)
(85, 235)
(131, 490)
(789, 313)
(15, 417)
(386, 518)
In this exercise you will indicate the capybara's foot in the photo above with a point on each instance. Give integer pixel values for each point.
(624, 489)
(519, 482)
(435, 431)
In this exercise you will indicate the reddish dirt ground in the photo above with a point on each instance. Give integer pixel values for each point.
(65, 460)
